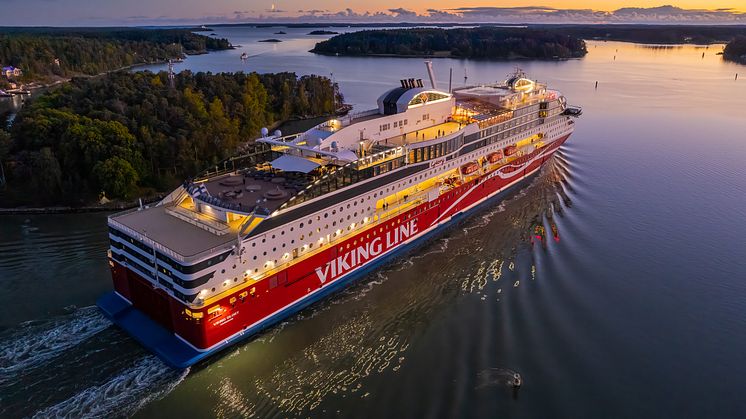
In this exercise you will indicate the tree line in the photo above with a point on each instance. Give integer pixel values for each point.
(736, 50)
(129, 134)
(482, 42)
(655, 34)
(44, 53)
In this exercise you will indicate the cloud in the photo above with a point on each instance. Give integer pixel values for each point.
(504, 15)
(660, 14)
(402, 12)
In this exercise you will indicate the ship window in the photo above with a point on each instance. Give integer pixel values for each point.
(222, 271)
(301, 225)
(264, 254)
(255, 257)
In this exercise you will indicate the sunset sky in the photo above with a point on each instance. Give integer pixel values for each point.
(145, 12)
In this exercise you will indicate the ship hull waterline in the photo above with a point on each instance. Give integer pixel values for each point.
(179, 353)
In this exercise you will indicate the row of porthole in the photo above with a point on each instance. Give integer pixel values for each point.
(310, 245)
(318, 230)
(335, 234)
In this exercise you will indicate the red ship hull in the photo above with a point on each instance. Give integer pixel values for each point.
(200, 332)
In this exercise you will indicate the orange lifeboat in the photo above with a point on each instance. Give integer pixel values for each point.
(510, 150)
(469, 168)
(495, 157)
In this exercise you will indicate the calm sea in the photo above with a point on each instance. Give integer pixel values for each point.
(637, 308)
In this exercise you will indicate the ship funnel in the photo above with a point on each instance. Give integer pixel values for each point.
(430, 72)
(403, 83)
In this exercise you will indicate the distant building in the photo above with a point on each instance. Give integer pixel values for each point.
(11, 71)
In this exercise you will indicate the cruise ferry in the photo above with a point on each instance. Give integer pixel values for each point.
(296, 218)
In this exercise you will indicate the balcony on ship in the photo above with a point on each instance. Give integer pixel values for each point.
(424, 134)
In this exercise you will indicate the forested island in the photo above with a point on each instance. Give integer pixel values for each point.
(482, 42)
(323, 32)
(45, 54)
(131, 134)
(736, 50)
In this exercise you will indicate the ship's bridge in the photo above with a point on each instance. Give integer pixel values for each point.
(401, 99)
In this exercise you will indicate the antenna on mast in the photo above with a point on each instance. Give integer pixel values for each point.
(450, 80)
(430, 72)
(466, 77)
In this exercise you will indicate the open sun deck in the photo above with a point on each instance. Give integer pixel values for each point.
(172, 232)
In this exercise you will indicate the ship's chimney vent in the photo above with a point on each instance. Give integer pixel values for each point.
(411, 83)
(403, 83)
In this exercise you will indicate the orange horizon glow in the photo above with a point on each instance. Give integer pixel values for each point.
(596, 5)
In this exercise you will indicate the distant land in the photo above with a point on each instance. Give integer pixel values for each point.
(531, 42)
(482, 42)
(323, 33)
(640, 33)
(49, 54)
(736, 50)
(270, 40)
(652, 34)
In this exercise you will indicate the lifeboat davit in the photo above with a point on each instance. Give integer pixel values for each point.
(495, 157)
(510, 150)
(469, 168)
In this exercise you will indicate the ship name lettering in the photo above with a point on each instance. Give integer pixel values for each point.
(365, 252)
